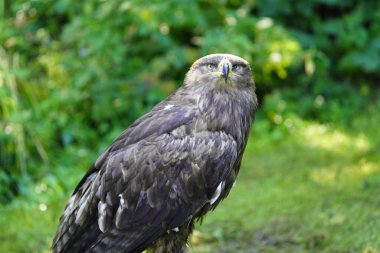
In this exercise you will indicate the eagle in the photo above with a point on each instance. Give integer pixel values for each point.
(168, 168)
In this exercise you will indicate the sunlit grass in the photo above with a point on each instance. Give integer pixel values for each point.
(333, 140)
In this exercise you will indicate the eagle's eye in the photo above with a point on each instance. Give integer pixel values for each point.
(237, 67)
(211, 66)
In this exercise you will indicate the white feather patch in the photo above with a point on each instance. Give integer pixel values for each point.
(102, 216)
(217, 193)
(167, 107)
(122, 201)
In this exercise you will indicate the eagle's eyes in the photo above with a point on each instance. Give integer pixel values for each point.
(212, 66)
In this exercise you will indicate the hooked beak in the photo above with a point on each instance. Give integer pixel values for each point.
(225, 71)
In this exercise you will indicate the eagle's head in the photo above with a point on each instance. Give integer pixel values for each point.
(221, 70)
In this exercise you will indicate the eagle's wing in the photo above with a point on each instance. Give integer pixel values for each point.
(143, 187)
(163, 118)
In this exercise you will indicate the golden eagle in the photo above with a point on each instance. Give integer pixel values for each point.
(167, 169)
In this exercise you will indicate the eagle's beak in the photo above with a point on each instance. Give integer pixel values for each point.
(225, 71)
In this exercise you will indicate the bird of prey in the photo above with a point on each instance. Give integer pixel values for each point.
(167, 169)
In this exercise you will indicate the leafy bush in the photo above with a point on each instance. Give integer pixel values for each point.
(341, 44)
(73, 74)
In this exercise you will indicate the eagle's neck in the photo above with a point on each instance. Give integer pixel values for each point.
(229, 110)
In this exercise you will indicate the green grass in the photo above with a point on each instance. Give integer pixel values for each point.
(303, 187)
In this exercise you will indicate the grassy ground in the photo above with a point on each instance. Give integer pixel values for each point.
(303, 187)
(307, 188)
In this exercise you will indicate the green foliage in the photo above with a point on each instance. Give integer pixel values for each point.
(74, 74)
(341, 42)
(77, 73)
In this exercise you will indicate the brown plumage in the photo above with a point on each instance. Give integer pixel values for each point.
(166, 170)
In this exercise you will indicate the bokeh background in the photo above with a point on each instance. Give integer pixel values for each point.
(74, 74)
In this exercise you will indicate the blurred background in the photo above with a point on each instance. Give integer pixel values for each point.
(74, 74)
